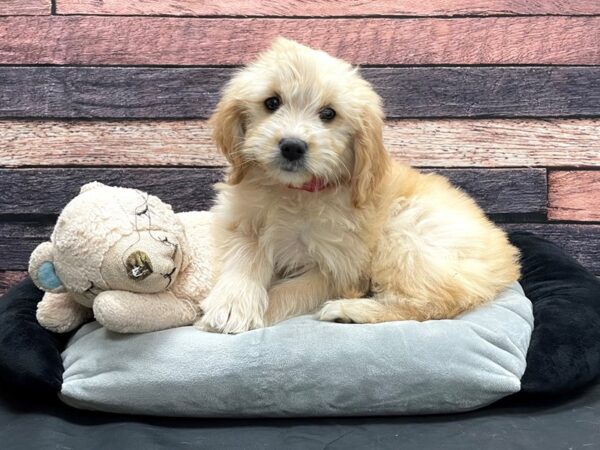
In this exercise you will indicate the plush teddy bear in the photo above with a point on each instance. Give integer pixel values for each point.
(125, 258)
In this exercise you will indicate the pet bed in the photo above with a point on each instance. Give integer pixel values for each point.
(305, 367)
(553, 281)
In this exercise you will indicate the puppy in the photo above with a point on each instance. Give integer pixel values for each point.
(314, 208)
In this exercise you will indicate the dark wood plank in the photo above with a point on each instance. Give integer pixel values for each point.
(109, 92)
(46, 191)
(92, 40)
(497, 190)
(417, 92)
(580, 241)
(18, 240)
(25, 7)
(327, 7)
(9, 279)
(488, 91)
(574, 195)
(426, 143)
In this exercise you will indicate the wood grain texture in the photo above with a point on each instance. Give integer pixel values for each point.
(574, 195)
(107, 143)
(496, 189)
(408, 92)
(92, 40)
(496, 142)
(109, 92)
(46, 191)
(18, 240)
(9, 279)
(426, 143)
(327, 7)
(25, 7)
(580, 241)
(487, 91)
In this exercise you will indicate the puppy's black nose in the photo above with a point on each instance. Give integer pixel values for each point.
(292, 149)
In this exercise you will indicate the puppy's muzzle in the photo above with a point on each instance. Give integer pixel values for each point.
(292, 149)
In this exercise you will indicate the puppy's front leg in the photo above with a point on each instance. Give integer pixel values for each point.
(296, 296)
(238, 300)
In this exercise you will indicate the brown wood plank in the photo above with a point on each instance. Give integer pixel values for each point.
(46, 191)
(580, 241)
(327, 7)
(426, 143)
(408, 92)
(9, 279)
(188, 41)
(17, 241)
(574, 195)
(25, 7)
(496, 142)
(107, 143)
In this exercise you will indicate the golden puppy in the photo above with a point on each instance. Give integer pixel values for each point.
(315, 209)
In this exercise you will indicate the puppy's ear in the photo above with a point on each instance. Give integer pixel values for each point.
(228, 133)
(371, 161)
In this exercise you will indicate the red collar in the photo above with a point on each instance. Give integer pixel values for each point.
(314, 185)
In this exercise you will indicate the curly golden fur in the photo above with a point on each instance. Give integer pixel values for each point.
(344, 221)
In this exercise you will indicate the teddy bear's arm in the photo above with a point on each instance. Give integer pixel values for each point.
(129, 312)
(60, 313)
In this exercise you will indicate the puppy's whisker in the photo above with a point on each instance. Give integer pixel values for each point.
(332, 164)
(236, 152)
(244, 150)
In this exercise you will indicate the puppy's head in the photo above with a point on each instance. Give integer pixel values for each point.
(305, 118)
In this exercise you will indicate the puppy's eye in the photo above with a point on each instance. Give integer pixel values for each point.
(273, 103)
(327, 114)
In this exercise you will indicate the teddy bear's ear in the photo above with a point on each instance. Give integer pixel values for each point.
(41, 269)
(89, 186)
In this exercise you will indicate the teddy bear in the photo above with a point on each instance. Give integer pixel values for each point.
(125, 258)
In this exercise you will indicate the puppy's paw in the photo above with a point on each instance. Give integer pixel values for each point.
(203, 326)
(357, 310)
(233, 311)
(229, 318)
(334, 311)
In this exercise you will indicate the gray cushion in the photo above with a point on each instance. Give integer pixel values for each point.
(303, 367)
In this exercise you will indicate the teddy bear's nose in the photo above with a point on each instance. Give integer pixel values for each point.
(139, 266)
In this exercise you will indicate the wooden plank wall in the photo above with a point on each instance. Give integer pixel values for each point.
(502, 96)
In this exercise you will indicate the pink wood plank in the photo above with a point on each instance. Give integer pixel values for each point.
(185, 41)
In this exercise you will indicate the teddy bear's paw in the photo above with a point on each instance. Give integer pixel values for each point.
(56, 326)
(58, 319)
(232, 312)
